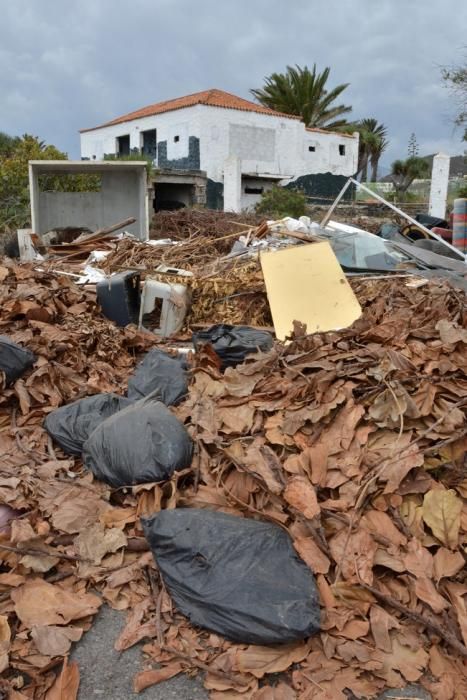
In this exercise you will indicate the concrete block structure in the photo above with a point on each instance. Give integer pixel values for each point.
(119, 192)
(201, 133)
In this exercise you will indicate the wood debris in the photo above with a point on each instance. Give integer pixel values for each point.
(354, 441)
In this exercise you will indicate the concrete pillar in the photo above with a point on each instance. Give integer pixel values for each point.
(233, 184)
(439, 185)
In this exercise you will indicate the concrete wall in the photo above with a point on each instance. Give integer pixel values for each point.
(122, 195)
(265, 143)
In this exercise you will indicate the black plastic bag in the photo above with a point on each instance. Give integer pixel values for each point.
(160, 375)
(140, 444)
(233, 343)
(238, 577)
(70, 426)
(14, 360)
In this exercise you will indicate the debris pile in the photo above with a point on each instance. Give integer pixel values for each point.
(349, 444)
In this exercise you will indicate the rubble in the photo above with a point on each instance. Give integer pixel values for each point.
(352, 441)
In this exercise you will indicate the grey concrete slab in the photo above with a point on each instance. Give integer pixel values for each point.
(107, 674)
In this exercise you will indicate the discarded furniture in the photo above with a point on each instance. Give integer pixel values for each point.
(163, 307)
(119, 297)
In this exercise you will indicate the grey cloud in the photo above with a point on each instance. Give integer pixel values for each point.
(66, 66)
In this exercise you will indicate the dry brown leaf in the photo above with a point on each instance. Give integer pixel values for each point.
(94, 542)
(66, 684)
(378, 522)
(281, 691)
(456, 593)
(301, 495)
(408, 662)
(55, 641)
(5, 639)
(450, 332)
(354, 554)
(39, 603)
(425, 590)
(312, 555)
(418, 560)
(446, 563)
(441, 512)
(144, 679)
(381, 622)
(259, 660)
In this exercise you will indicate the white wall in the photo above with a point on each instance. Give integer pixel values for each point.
(264, 143)
(181, 122)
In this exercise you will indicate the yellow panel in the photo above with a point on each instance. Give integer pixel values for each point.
(306, 283)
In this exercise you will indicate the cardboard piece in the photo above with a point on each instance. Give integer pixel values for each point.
(306, 283)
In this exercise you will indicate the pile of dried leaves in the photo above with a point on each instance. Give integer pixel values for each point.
(353, 441)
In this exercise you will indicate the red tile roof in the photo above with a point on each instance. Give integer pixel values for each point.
(212, 98)
(326, 131)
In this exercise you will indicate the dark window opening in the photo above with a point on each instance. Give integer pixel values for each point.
(123, 145)
(176, 139)
(312, 148)
(149, 143)
(341, 149)
(254, 190)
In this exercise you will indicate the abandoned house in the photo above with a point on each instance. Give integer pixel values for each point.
(215, 149)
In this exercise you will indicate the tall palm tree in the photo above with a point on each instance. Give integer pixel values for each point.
(378, 146)
(303, 92)
(372, 142)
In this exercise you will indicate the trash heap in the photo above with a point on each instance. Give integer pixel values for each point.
(330, 472)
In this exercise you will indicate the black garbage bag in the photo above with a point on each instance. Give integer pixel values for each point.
(160, 375)
(233, 343)
(14, 360)
(238, 577)
(140, 444)
(70, 426)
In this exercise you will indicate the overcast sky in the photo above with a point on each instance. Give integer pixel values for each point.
(66, 65)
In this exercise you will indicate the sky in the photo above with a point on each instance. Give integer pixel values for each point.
(67, 65)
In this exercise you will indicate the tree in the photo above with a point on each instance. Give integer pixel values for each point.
(455, 79)
(413, 146)
(404, 172)
(15, 153)
(303, 92)
(372, 143)
(7, 144)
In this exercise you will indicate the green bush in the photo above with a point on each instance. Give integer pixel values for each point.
(461, 193)
(134, 155)
(280, 201)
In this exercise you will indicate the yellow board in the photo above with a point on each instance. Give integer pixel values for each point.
(306, 283)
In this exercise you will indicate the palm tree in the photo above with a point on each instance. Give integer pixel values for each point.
(378, 146)
(302, 92)
(371, 144)
(404, 172)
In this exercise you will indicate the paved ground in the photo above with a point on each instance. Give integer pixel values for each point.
(108, 675)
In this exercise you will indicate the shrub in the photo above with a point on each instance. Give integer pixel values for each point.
(280, 201)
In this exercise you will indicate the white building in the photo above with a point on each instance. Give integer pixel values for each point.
(242, 147)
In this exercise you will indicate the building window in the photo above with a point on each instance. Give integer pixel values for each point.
(312, 149)
(176, 139)
(341, 149)
(123, 145)
(254, 190)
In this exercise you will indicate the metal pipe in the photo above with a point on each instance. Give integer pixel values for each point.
(401, 213)
(328, 215)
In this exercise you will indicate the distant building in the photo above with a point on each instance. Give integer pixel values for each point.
(213, 146)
